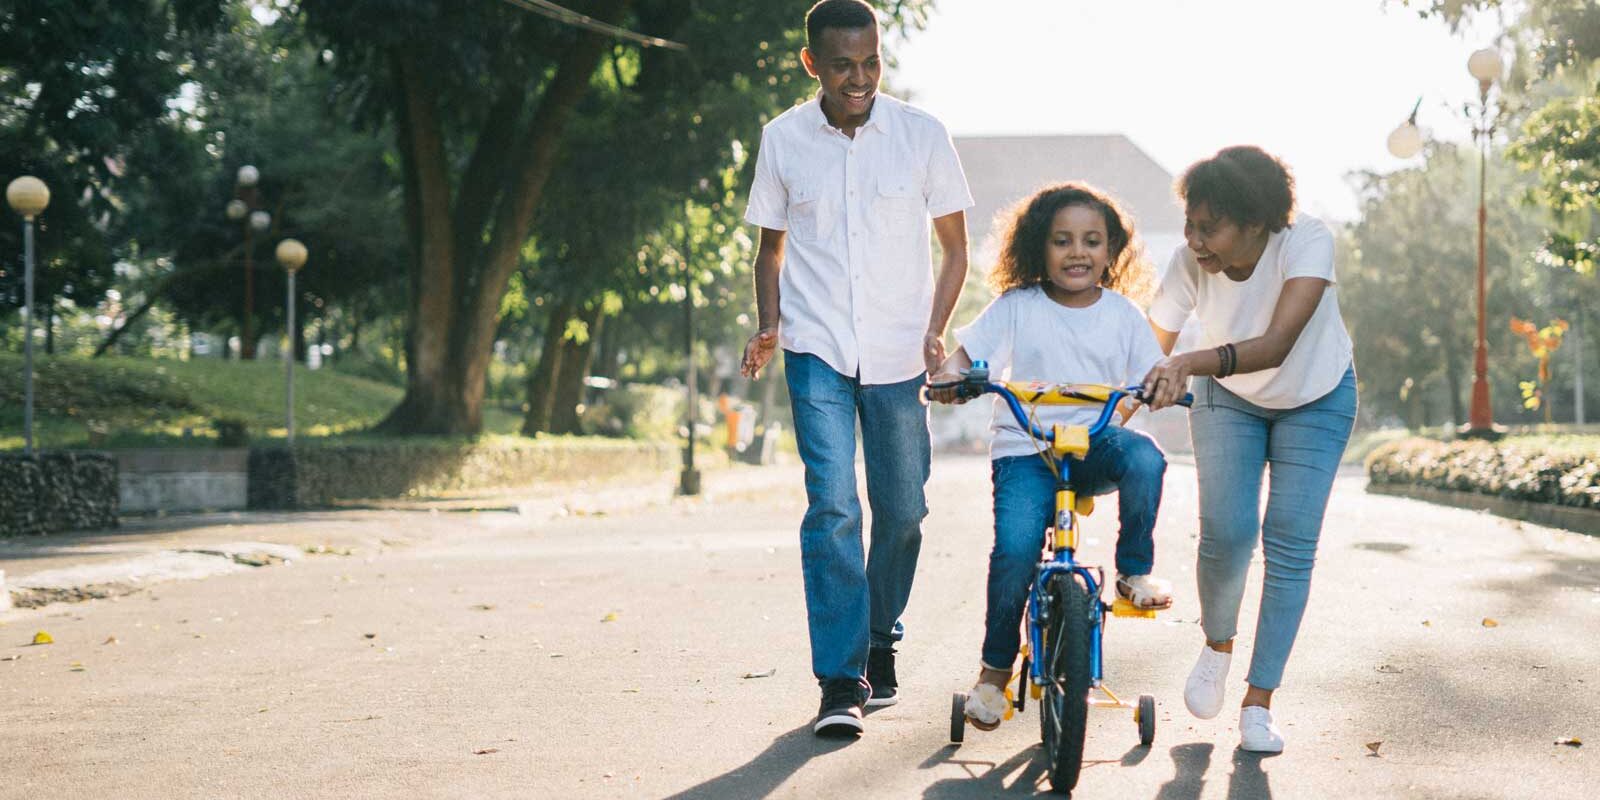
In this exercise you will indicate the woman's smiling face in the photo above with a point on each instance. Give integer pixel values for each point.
(1218, 242)
(1078, 250)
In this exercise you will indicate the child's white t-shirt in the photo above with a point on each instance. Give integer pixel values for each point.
(1026, 336)
(1232, 311)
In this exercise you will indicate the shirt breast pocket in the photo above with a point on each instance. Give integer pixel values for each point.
(805, 212)
(896, 206)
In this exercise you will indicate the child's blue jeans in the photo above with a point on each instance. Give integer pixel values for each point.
(1127, 462)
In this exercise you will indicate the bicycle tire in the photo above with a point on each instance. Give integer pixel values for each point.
(1064, 708)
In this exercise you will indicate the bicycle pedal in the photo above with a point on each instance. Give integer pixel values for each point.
(1123, 607)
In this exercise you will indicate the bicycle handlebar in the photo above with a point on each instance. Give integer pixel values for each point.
(975, 383)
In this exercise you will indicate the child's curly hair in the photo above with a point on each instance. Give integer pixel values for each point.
(1022, 256)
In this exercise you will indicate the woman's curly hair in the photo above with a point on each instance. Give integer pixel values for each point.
(1022, 254)
(1243, 183)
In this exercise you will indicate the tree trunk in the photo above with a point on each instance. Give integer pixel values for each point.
(1452, 379)
(49, 327)
(574, 369)
(541, 377)
(456, 296)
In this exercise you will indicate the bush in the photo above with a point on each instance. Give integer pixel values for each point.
(1567, 474)
(635, 411)
(57, 492)
(318, 475)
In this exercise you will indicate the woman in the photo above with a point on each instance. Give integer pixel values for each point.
(1274, 390)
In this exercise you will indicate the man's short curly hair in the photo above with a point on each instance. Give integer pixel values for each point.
(848, 14)
(1244, 184)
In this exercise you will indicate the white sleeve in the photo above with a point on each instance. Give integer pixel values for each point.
(769, 198)
(1308, 252)
(990, 336)
(946, 190)
(1143, 349)
(1176, 297)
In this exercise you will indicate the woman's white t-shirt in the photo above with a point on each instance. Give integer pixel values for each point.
(1026, 336)
(1232, 311)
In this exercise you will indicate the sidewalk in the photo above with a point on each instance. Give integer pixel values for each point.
(70, 567)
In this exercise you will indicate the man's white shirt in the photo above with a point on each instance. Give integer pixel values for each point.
(856, 286)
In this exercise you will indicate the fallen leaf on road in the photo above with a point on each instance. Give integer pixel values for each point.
(486, 751)
(630, 691)
(370, 635)
(1571, 741)
(43, 638)
(261, 711)
(1388, 670)
(111, 640)
(1490, 622)
(769, 673)
(1373, 747)
(77, 666)
(483, 607)
(611, 617)
(1427, 623)
(11, 658)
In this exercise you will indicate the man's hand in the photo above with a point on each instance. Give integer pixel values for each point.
(933, 354)
(758, 351)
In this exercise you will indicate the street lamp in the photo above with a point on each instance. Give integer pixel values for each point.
(292, 255)
(1406, 140)
(1484, 65)
(28, 196)
(242, 209)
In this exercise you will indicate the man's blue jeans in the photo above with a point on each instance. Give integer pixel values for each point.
(852, 598)
(1119, 460)
(1300, 448)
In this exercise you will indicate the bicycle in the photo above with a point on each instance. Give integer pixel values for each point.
(1066, 614)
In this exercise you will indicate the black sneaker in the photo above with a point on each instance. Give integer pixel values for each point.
(840, 714)
(880, 674)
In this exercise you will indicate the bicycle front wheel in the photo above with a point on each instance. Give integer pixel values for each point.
(1064, 708)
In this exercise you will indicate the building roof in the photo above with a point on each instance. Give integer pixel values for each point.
(1002, 170)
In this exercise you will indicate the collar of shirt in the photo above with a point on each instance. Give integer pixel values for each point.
(878, 118)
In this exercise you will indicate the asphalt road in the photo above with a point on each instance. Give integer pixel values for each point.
(619, 653)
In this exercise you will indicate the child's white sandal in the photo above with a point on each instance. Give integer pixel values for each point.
(1145, 591)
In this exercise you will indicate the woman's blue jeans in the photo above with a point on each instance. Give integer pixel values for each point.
(1127, 462)
(854, 599)
(1235, 441)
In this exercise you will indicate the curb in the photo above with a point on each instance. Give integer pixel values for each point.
(1570, 518)
(76, 584)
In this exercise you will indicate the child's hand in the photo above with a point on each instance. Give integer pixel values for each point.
(946, 394)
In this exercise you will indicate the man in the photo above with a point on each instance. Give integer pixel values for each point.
(845, 185)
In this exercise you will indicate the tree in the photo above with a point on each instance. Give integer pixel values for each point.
(482, 95)
(82, 83)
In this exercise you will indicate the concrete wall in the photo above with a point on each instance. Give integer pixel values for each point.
(183, 480)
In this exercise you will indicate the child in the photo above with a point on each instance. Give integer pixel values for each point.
(1061, 316)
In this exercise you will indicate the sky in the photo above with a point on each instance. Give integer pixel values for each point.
(1320, 83)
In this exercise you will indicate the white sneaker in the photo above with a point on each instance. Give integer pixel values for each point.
(1257, 733)
(1204, 691)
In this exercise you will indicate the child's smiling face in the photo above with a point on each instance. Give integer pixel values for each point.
(1077, 252)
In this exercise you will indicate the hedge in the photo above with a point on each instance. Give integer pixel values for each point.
(1510, 469)
(320, 475)
(57, 491)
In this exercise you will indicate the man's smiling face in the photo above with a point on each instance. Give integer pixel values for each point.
(848, 64)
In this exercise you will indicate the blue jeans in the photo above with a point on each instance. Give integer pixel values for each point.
(853, 599)
(1234, 442)
(1127, 462)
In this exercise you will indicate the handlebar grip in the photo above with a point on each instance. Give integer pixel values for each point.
(1187, 400)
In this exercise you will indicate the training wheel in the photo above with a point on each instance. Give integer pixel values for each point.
(1145, 716)
(958, 717)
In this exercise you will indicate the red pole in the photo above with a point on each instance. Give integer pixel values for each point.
(1481, 416)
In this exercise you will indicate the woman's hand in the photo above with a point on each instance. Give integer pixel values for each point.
(1167, 382)
(933, 354)
(947, 394)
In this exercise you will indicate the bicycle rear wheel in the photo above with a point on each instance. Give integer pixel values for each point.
(1064, 708)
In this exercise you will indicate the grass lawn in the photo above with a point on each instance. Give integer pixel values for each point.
(151, 402)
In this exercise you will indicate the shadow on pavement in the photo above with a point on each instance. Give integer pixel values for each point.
(1249, 781)
(986, 778)
(1192, 760)
(762, 775)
